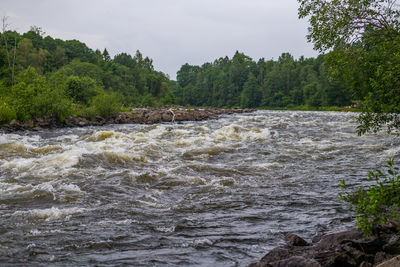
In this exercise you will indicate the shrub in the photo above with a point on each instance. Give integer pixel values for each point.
(52, 104)
(105, 105)
(7, 113)
(377, 204)
(149, 101)
(35, 97)
(82, 89)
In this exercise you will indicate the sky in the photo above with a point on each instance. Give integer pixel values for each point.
(171, 32)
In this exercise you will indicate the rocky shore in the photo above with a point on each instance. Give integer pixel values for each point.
(137, 115)
(341, 249)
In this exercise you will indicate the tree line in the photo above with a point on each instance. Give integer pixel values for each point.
(43, 77)
(242, 82)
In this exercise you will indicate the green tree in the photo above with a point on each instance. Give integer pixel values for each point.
(34, 97)
(82, 89)
(251, 94)
(83, 69)
(364, 37)
(106, 55)
(379, 203)
(106, 104)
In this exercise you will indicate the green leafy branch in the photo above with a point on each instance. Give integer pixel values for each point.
(377, 204)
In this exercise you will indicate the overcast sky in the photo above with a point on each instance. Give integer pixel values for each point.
(171, 32)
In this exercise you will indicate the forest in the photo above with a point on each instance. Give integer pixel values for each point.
(242, 82)
(43, 77)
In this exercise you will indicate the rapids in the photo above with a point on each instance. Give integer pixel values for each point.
(210, 193)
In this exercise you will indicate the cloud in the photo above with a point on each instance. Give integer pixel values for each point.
(171, 32)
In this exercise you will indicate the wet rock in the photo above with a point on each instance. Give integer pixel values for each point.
(98, 121)
(334, 239)
(295, 261)
(393, 246)
(74, 121)
(275, 255)
(345, 248)
(381, 256)
(15, 125)
(137, 115)
(366, 264)
(167, 116)
(294, 240)
(394, 262)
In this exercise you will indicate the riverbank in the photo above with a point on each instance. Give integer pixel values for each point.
(136, 115)
(345, 248)
(309, 108)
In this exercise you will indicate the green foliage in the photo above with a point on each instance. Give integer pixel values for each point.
(242, 82)
(106, 104)
(364, 39)
(57, 77)
(82, 89)
(34, 97)
(251, 94)
(169, 99)
(83, 69)
(7, 113)
(149, 101)
(377, 204)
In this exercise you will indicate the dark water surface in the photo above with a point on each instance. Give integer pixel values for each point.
(210, 193)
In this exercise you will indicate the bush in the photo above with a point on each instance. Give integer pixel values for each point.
(82, 89)
(377, 204)
(105, 105)
(7, 113)
(35, 97)
(52, 104)
(149, 101)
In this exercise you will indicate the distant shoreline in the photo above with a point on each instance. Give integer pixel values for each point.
(136, 115)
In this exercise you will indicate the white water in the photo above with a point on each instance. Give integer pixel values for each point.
(219, 192)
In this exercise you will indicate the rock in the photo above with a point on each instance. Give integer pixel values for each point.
(28, 124)
(380, 257)
(294, 261)
(98, 120)
(297, 261)
(153, 117)
(393, 246)
(294, 240)
(15, 125)
(137, 115)
(167, 116)
(346, 248)
(366, 264)
(334, 239)
(275, 255)
(394, 262)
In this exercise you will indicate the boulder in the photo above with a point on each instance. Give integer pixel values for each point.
(394, 262)
(294, 240)
(334, 239)
(295, 261)
(393, 246)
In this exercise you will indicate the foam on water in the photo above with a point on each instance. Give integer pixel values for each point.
(179, 194)
(50, 214)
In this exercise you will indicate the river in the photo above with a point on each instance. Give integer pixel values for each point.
(211, 193)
